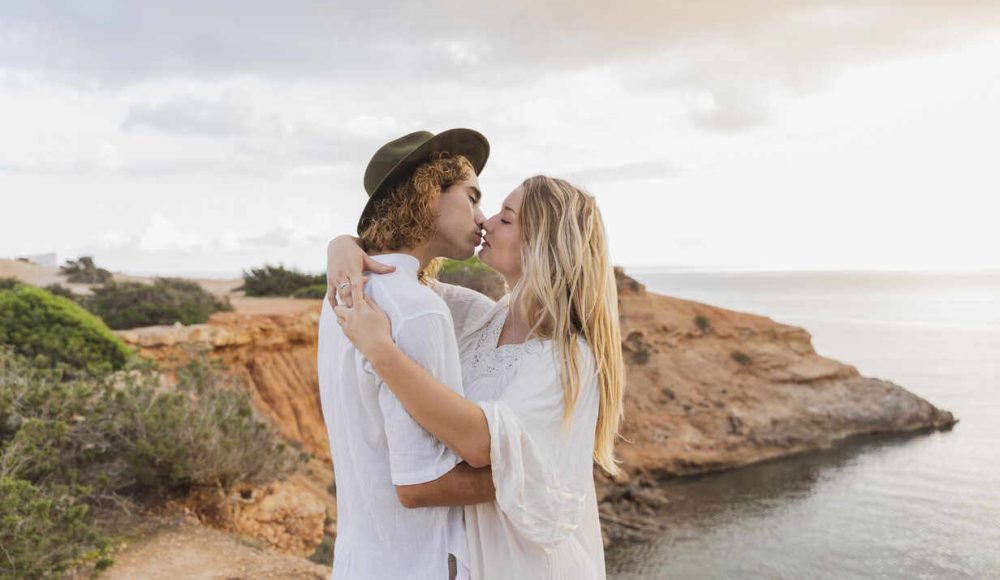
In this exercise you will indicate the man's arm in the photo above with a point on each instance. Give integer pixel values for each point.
(463, 485)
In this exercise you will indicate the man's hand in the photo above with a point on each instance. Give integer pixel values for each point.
(463, 485)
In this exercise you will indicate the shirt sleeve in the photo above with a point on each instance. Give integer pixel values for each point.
(415, 456)
(470, 310)
(541, 470)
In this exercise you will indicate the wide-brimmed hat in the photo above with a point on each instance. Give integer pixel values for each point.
(397, 159)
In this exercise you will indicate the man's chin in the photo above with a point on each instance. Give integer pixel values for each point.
(462, 255)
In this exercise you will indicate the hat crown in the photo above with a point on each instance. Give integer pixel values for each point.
(398, 159)
(390, 155)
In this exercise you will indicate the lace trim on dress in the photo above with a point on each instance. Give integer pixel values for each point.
(491, 359)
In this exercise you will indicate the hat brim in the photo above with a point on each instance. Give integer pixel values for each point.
(465, 142)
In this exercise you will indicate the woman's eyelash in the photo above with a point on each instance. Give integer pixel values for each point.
(504, 222)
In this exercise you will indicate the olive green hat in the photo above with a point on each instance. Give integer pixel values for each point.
(398, 159)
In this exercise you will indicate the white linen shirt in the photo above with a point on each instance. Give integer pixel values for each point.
(376, 444)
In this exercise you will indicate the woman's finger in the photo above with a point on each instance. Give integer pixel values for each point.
(357, 290)
(372, 304)
(373, 265)
(344, 293)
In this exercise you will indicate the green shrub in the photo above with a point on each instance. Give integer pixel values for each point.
(9, 283)
(703, 323)
(56, 331)
(637, 346)
(60, 290)
(278, 281)
(314, 292)
(84, 271)
(166, 301)
(124, 433)
(69, 443)
(46, 530)
(474, 274)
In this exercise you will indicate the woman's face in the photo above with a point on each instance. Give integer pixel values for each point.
(501, 249)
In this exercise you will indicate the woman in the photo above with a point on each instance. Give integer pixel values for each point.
(543, 376)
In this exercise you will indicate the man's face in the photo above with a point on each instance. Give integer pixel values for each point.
(459, 221)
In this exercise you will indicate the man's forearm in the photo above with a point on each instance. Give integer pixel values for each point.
(463, 485)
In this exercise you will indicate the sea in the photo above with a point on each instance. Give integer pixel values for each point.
(887, 507)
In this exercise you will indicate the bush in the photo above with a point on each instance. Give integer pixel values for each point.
(43, 531)
(68, 444)
(635, 344)
(166, 301)
(314, 292)
(703, 323)
(60, 290)
(474, 274)
(278, 281)
(741, 358)
(124, 433)
(84, 271)
(56, 331)
(9, 283)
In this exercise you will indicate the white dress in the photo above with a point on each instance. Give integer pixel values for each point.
(544, 522)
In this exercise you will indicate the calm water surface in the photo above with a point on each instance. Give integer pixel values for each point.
(924, 506)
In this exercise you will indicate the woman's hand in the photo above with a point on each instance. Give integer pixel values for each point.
(365, 325)
(345, 262)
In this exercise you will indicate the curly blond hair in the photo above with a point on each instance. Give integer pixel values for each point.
(405, 217)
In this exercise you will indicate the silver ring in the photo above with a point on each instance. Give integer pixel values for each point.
(342, 284)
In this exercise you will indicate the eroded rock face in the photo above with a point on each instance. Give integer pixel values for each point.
(284, 517)
(273, 355)
(708, 389)
(711, 389)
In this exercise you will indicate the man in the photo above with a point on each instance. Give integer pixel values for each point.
(424, 203)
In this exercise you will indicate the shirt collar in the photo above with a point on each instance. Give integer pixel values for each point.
(400, 261)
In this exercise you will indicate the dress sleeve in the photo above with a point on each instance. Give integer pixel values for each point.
(470, 310)
(415, 456)
(541, 469)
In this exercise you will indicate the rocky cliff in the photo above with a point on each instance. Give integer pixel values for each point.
(708, 389)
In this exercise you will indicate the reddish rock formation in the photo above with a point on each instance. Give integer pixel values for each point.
(708, 389)
(274, 355)
(712, 389)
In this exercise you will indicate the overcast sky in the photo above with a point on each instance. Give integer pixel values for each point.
(206, 137)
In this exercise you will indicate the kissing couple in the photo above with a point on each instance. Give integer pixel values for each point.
(464, 431)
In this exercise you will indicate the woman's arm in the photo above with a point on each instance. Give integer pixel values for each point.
(345, 262)
(445, 414)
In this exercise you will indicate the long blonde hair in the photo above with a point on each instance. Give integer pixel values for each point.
(567, 289)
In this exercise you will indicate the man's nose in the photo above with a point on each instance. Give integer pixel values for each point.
(480, 218)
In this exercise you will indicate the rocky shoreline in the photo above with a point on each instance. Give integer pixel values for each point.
(709, 389)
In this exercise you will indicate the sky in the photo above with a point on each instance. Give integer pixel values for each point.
(203, 138)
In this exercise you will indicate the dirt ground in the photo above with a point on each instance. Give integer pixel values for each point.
(182, 549)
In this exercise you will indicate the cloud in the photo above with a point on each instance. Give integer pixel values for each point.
(733, 57)
(193, 116)
(162, 234)
(652, 169)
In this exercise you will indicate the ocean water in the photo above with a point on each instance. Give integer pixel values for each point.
(917, 506)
